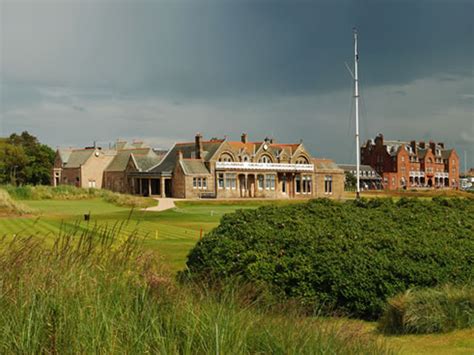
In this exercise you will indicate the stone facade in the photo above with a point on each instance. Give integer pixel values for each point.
(83, 167)
(224, 169)
(412, 164)
(216, 168)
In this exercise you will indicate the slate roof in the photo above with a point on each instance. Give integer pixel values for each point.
(145, 162)
(194, 167)
(64, 154)
(446, 153)
(144, 157)
(188, 150)
(78, 157)
(120, 161)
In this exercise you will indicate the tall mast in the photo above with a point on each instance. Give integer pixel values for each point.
(356, 97)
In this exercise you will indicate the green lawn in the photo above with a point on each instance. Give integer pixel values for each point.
(174, 232)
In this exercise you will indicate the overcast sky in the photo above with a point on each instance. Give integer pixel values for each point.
(77, 71)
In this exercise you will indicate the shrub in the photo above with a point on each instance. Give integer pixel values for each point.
(90, 294)
(345, 257)
(429, 310)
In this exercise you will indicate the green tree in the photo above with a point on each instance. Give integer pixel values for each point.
(24, 160)
(13, 161)
(351, 180)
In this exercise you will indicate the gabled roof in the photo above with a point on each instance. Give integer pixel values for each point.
(145, 162)
(446, 153)
(188, 150)
(194, 167)
(145, 158)
(78, 157)
(64, 154)
(120, 161)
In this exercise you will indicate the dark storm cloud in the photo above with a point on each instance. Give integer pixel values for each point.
(166, 69)
(208, 48)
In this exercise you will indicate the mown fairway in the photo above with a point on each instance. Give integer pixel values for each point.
(172, 233)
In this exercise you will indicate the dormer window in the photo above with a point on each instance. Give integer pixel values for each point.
(225, 157)
(265, 159)
(301, 160)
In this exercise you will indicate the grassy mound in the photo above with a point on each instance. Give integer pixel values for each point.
(344, 257)
(91, 294)
(11, 207)
(67, 192)
(429, 311)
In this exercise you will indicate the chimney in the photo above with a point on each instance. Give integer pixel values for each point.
(198, 146)
(180, 155)
(244, 138)
(413, 146)
(378, 139)
(433, 147)
(422, 144)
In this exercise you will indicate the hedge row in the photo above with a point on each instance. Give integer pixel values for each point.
(345, 257)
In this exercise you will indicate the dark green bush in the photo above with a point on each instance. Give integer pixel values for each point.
(430, 310)
(345, 257)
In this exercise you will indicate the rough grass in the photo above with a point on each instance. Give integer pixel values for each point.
(429, 311)
(67, 192)
(9, 206)
(91, 293)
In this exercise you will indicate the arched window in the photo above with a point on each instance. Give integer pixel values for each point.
(226, 157)
(301, 160)
(245, 158)
(265, 159)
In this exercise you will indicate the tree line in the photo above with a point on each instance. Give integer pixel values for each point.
(25, 160)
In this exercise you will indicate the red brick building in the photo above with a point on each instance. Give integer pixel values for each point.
(412, 164)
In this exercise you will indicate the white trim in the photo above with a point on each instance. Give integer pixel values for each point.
(221, 165)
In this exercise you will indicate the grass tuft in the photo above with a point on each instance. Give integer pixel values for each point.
(67, 192)
(91, 293)
(10, 206)
(436, 310)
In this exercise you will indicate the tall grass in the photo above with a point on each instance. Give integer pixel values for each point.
(436, 310)
(90, 293)
(10, 206)
(67, 192)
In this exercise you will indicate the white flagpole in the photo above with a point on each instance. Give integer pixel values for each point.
(356, 97)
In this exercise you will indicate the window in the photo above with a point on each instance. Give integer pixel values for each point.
(230, 181)
(260, 182)
(283, 184)
(226, 157)
(200, 183)
(301, 160)
(92, 184)
(306, 184)
(328, 184)
(220, 181)
(265, 159)
(403, 159)
(270, 182)
(298, 184)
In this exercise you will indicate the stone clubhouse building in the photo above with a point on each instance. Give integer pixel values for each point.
(215, 168)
